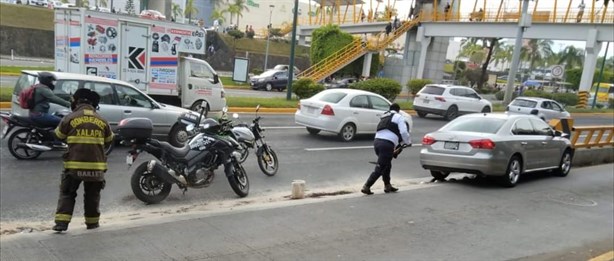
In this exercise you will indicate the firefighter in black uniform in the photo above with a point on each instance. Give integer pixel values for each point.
(86, 134)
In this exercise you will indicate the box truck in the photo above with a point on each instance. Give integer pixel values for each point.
(152, 55)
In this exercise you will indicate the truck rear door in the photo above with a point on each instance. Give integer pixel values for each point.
(134, 60)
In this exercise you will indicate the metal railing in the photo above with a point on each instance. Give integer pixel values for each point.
(592, 136)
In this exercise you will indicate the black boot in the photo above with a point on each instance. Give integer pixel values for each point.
(389, 188)
(60, 226)
(366, 190)
(92, 226)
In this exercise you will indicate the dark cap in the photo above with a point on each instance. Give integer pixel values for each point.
(395, 107)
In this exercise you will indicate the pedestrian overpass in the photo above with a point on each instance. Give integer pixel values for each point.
(426, 36)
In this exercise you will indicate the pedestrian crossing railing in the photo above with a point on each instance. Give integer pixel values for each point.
(592, 136)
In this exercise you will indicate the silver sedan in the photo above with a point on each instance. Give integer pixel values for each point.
(500, 145)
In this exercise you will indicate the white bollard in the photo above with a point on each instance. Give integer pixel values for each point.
(298, 189)
(12, 55)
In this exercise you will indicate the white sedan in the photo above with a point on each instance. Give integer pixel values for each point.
(346, 112)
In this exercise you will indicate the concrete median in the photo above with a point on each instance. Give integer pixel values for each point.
(593, 156)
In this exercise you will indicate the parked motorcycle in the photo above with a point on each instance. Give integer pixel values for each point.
(191, 166)
(30, 140)
(250, 136)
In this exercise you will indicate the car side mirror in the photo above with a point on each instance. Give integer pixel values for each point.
(216, 79)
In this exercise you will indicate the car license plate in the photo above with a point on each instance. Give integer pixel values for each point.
(4, 130)
(426, 101)
(450, 145)
(310, 110)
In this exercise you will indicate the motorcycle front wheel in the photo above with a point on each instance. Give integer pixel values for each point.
(239, 181)
(244, 150)
(17, 142)
(267, 161)
(147, 187)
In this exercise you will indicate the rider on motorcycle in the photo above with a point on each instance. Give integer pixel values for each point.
(43, 94)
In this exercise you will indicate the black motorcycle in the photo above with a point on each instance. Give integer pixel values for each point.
(30, 140)
(191, 166)
(265, 155)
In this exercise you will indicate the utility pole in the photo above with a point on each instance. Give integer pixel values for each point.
(524, 21)
(268, 36)
(291, 69)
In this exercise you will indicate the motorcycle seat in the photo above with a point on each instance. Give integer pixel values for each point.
(176, 152)
(26, 121)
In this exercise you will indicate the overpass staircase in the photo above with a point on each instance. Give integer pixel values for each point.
(354, 50)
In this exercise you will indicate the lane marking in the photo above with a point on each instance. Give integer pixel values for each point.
(350, 148)
(609, 256)
(283, 127)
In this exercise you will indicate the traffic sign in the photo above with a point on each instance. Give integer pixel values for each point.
(557, 71)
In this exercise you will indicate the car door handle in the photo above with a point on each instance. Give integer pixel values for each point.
(355, 112)
(190, 86)
(544, 143)
(523, 143)
(127, 111)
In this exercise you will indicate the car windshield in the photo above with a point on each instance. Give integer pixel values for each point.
(480, 125)
(432, 90)
(524, 103)
(333, 97)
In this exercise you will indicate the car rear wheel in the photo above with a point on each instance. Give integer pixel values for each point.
(421, 114)
(268, 87)
(514, 169)
(313, 131)
(451, 113)
(348, 131)
(439, 175)
(486, 109)
(564, 165)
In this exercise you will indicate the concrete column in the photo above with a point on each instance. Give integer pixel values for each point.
(302, 40)
(366, 65)
(424, 46)
(590, 60)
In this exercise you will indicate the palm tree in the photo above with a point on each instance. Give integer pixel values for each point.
(176, 10)
(218, 15)
(571, 56)
(239, 7)
(537, 51)
(190, 10)
(469, 47)
(503, 54)
(101, 3)
(232, 10)
(492, 43)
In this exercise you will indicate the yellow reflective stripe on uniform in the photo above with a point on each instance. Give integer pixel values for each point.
(84, 140)
(91, 220)
(59, 133)
(109, 138)
(63, 217)
(85, 165)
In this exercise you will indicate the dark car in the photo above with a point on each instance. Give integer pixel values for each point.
(342, 83)
(269, 80)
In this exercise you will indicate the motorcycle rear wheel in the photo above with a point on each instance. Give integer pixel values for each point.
(267, 161)
(21, 136)
(244, 150)
(239, 181)
(147, 187)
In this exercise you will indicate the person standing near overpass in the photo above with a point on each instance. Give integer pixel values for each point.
(580, 11)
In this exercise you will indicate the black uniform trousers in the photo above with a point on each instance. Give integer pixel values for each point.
(384, 149)
(68, 193)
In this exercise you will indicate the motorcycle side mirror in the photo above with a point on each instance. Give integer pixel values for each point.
(235, 115)
(225, 109)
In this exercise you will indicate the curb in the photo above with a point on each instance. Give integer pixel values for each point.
(5, 105)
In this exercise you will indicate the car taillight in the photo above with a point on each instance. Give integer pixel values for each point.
(328, 111)
(428, 140)
(482, 144)
(441, 99)
(298, 106)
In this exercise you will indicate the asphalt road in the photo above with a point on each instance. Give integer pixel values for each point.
(28, 189)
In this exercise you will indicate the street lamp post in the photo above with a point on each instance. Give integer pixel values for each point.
(523, 23)
(268, 36)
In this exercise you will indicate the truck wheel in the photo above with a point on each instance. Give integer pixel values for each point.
(196, 106)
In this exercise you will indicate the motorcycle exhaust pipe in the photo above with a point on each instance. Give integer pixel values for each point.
(164, 173)
(36, 147)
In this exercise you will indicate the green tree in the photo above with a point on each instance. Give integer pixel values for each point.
(101, 3)
(609, 63)
(537, 51)
(233, 10)
(240, 6)
(503, 54)
(571, 56)
(490, 46)
(218, 15)
(190, 10)
(176, 10)
(130, 7)
(468, 48)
